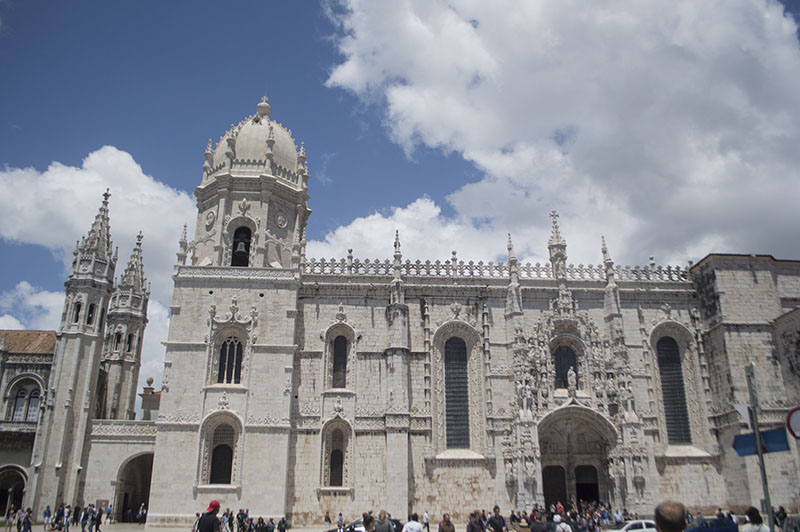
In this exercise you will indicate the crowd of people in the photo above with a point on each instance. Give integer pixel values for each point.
(239, 522)
(581, 517)
(88, 518)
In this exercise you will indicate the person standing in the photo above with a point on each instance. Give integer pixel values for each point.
(446, 525)
(383, 524)
(426, 521)
(27, 520)
(754, 521)
(340, 522)
(497, 523)
(209, 522)
(282, 526)
(328, 524)
(474, 524)
(413, 524)
(46, 518)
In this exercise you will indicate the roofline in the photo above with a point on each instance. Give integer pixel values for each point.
(770, 258)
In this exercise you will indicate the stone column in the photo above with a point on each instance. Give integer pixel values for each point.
(397, 412)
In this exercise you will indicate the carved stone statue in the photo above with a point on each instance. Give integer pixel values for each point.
(572, 379)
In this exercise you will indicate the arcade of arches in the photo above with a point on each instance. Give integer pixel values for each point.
(575, 443)
(133, 486)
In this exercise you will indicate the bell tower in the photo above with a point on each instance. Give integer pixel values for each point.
(59, 451)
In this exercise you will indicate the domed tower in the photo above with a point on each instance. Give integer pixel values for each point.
(252, 200)
(127, 318)
(226, 400)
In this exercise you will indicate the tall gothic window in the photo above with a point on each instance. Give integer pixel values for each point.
(19, 406)
(90, 315)
(129, 343)
(222, 444)
(337, 459)
(117, 341)
(675, 412)
(456, 396)
(565, 359)
(339, 362)
(33, 407)
(77, 315)
(241, 247)
(230, 361)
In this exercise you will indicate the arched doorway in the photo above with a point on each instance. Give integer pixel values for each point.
(575, 442)
(12, 488)
(133, 487)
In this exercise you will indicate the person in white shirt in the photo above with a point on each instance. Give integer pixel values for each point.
(413, 525)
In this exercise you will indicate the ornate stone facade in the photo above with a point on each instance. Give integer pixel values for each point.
(295, 386)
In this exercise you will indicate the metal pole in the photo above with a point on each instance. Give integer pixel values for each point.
(752, 387)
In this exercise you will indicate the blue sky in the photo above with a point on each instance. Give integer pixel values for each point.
(671, 128)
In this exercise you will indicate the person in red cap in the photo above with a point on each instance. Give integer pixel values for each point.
(209, 522)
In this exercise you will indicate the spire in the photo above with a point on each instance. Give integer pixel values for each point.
(513, 295)
(608, 263)
(208, 155)
(558, 250)
(133, 278)
(183, 246)
(397, 292)
(99, 238)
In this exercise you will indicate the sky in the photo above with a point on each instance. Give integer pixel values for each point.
(670, 128)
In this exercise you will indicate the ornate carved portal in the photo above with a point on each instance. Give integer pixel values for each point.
(575, 445)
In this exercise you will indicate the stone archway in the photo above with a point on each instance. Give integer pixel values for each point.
(575, 443)
(12, 488)
(133, 487)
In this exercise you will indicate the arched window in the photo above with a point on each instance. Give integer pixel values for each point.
(117, 341)
(241, 247)
(339, 362)
(230, 361)
(19, 406)
(90, 315)
(337, 459)
(456, 396)
(675, 412)
(221, 455)
(129, 343)
(33, 407)
(565, 359)
(77, 314)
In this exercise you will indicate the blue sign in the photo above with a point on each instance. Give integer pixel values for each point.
(772, 441)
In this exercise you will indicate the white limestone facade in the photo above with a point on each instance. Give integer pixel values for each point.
(294, 386)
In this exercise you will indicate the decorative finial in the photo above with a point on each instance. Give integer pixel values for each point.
(106, 195)
(397, 241)
(302, 149)
(208, 146)
(139, 238)
(150, 381)
(263, 107)
(510, 248)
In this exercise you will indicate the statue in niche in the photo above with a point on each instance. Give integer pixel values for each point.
(572, 379)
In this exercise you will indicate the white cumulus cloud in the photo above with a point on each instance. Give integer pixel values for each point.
(670, 127)
(56, 207)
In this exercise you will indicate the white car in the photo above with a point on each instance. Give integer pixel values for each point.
(638, 525)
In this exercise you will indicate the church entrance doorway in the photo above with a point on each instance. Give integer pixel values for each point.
(586, 487)
(133, 487)
(575, 442)
(12, 489)
(554, 485)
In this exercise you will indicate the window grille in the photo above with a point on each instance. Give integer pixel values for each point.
(456, 393)
(339, 362)
(675, 412)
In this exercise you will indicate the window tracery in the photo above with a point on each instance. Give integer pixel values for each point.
(229, 370)
(676, 414)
